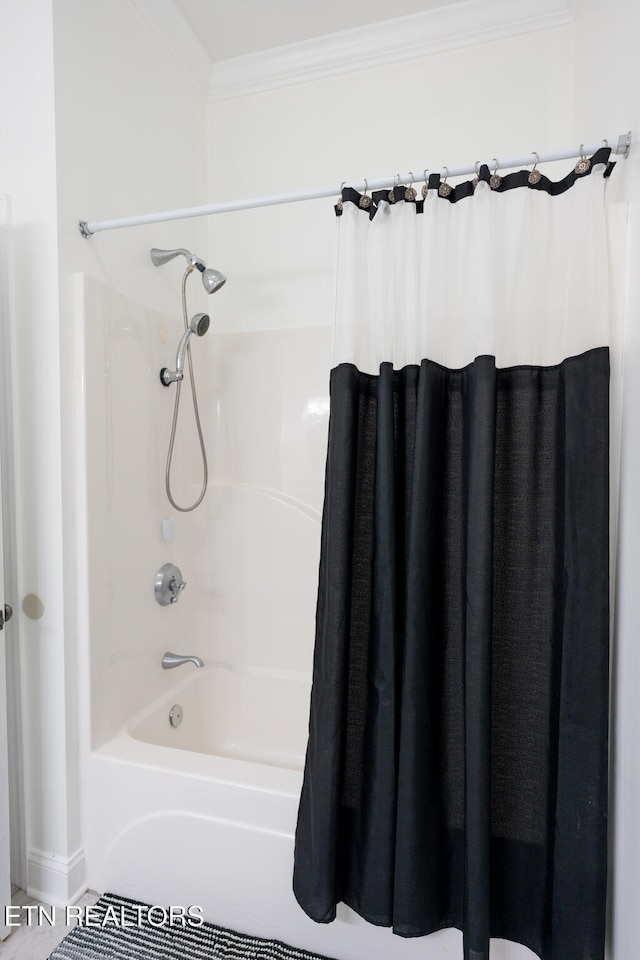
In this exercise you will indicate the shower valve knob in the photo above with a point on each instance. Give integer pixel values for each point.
(176, 589)
(168, 585)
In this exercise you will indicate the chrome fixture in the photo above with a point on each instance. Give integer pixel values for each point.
(199, 325)
(160, 257)
(212, 280)
(171, 660)
(175, 715)
(169, 584)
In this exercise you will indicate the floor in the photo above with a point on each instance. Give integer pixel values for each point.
(35, 941)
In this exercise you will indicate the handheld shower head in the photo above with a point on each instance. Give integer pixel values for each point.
(199, 325)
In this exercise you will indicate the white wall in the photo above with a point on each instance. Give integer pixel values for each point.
(607, 78)
(484, 100)
(97, 120)
(29, 176)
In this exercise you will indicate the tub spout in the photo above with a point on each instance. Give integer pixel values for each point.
(171, 660)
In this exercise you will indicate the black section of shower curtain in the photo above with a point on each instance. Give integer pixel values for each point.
(456, 771)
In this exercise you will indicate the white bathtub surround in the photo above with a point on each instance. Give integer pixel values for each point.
(187, 828)
(211, 823)
(253, 715)
(249, 553)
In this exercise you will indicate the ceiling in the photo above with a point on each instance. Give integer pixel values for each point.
(232, 28)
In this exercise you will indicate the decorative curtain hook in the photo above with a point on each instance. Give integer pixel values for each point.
(425, 188)
(392, 192)
(495, 179)
(444, 190)
(365, 200)
(410, 193)
(535, 176)
(476, 179)
(339, 204)
(583, 164)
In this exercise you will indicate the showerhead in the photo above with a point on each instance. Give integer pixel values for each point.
(212, 279)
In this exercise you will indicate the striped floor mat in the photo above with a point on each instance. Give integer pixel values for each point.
(120, 929)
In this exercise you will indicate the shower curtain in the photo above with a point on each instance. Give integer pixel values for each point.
(456, 769)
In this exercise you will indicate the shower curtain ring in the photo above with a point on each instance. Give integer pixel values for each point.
(425, 188)
(339, 204)
(476, 179)
(583, 164)
(410, 193)
(444, 190)
(392, 192)
(365, 200)
(535, 176)
(495, 180)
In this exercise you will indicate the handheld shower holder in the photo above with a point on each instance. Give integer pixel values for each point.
(167, 377)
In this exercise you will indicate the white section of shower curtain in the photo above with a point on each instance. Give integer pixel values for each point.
(520, 275)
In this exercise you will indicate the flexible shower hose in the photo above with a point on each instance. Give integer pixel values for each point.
(176, 408)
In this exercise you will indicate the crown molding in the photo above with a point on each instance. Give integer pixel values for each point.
(373, 45)
(168, 24)
(378, 44)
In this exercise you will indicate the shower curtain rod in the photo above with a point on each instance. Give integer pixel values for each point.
(88, 228)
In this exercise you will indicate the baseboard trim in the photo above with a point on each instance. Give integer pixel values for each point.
(56, 880)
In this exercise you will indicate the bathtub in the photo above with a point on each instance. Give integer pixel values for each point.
(204, 814)
(251, 715)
